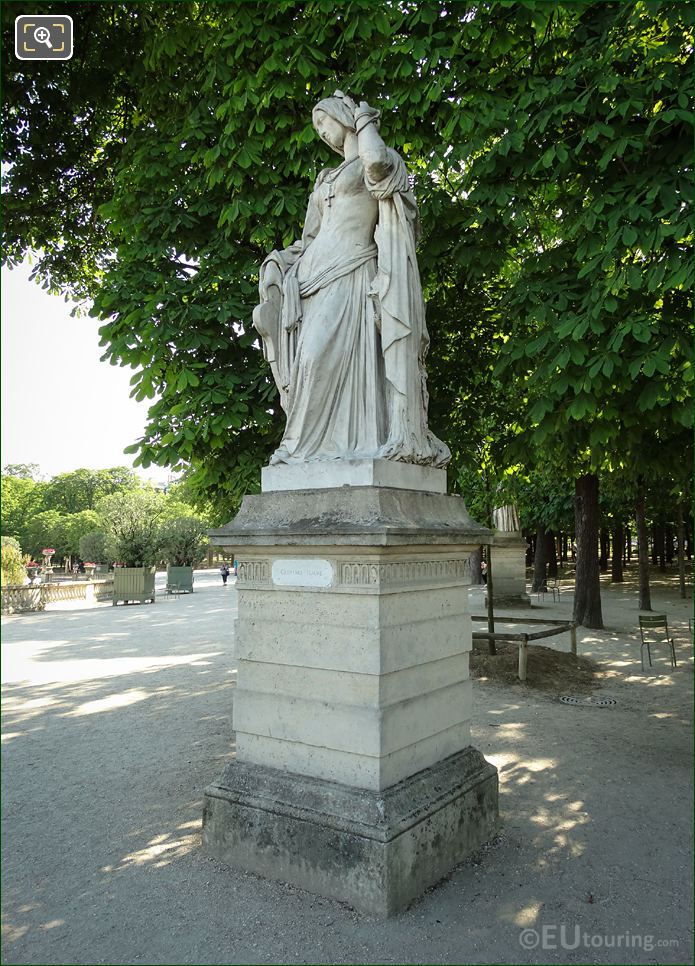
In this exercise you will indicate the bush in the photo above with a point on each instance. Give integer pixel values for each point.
(183, 541)
(13, 569)
(93, 546)
(131, 522)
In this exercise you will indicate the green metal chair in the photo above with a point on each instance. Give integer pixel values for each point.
(654, 630)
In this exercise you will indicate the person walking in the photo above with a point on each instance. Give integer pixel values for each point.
(224, 570)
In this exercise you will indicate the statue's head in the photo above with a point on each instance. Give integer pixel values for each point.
(333, 119)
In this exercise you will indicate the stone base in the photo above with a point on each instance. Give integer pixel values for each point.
(508, 553)
(375, 850)
(354, 516)
(328, 474)
(511, 601)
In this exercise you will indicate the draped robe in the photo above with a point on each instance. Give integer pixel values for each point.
(343, 327)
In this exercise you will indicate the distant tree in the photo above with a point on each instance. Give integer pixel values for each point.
(82, 489)
(93, 547)
(21, 498)
(48, 529)
(188, 491)
(132, 521)
(23, 471)
(183, 541)
(13, 569)
(76, 526)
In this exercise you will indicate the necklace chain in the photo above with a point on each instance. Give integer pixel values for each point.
(329, 180)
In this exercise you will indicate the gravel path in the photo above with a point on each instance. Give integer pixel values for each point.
(116, 718)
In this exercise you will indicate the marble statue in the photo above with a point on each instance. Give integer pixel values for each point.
(506, 519)
(341, 312)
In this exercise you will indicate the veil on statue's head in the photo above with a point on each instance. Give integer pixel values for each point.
(340, 107)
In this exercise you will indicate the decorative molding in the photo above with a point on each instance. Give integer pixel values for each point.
(371, 575)
(403, 572)
(253, 572)
(360, 574)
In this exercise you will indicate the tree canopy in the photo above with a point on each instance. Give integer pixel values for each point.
(550, 145)
(551, 150)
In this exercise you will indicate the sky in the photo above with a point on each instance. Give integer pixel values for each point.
(61, 406)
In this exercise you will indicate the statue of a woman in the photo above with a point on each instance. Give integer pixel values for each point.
(342, 315)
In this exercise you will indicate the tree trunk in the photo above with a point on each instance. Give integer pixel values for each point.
(605, 551)
(681, 551)
(689, 536)
(528, 554)
(669, 545)
(617, 555)
(551, 553)
(530, 549)
(645, 599)
(655, 546)
(540, 562)
(475, 560)
(587, 587)
(661, 546)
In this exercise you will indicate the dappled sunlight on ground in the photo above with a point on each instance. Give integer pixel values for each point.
(117, 719)
(600, 820)
(92, 669)
(161, 850)
(528, 916)
(109, 704)
(115, 722)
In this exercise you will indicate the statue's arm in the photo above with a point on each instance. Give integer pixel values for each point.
(312, 220)
(372, 149)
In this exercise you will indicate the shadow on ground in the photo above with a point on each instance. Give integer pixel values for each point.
(117, 718)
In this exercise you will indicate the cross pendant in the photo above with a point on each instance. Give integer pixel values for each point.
(331, 194)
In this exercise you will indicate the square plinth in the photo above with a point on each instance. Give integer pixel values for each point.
(363, 681)
(354, 775)
(508, 553)
(328, 474)
(375, 850)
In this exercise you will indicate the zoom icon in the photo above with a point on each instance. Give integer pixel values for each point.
(43, 37)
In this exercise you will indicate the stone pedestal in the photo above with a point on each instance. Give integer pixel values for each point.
(354, 776)
(508, 552)
(329, 474)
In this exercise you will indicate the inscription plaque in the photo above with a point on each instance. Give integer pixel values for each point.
(302, 573)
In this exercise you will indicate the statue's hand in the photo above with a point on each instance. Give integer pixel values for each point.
(364, 115)
(347, 100)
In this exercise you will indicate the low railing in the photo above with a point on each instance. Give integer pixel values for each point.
(103, 589)
(523, 638)
(18, 599)
(51, 593)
